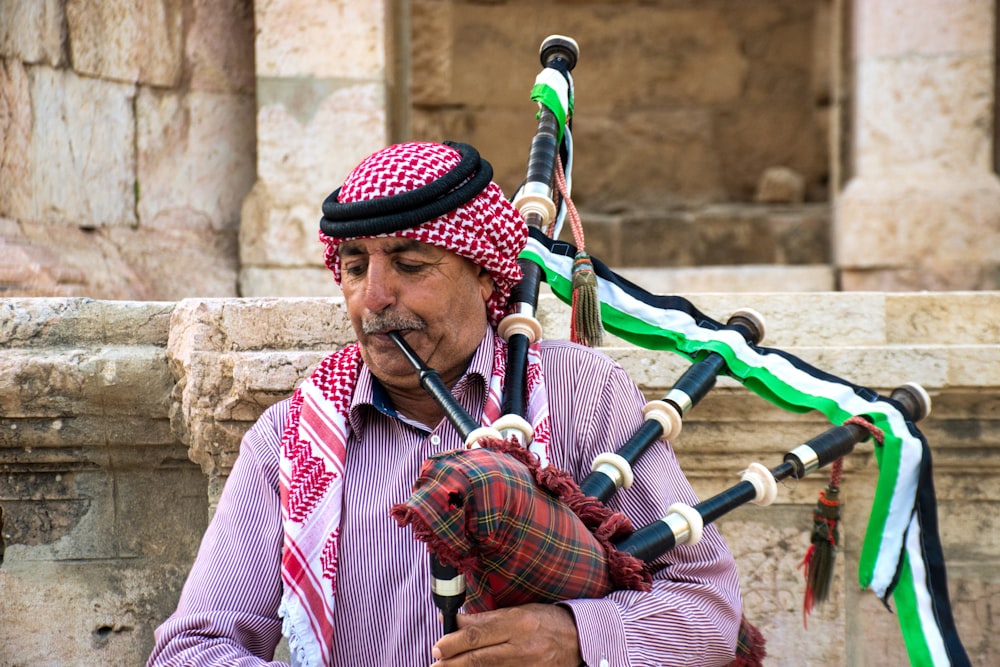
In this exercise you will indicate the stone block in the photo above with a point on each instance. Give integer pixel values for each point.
(748, 278)
(431, 52)
(195, 158)
(82, 157)
(219, 46)
(263, 281)
(922, 120)
(320, 39)
(16, 199)
(499, 54)
(60, 323)
(311, 133)
(233, 359)
(32, 31)
(120, 263)
(280, 235)
(924, 226)
(780, 185)
(202, 262)
(285, 324)
(80, 381)
(936, 28)
(126, 41)
(946, 318)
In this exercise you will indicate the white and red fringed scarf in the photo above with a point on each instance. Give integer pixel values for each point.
(313, 451)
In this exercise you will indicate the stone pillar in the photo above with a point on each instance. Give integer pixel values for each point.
(922, 210)
(322, 76)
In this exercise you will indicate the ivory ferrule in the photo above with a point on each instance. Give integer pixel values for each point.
(536, 198)
(518, 427)
(516, 323)
(685, 523)
(472, 440)
(615, 467)
(763, 482)
(669, 419)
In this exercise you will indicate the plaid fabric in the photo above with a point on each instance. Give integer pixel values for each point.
(483, 512)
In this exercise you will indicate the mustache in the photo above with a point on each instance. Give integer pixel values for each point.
(391, 321)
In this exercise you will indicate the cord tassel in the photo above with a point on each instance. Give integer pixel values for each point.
(586, 327)
(822, 554)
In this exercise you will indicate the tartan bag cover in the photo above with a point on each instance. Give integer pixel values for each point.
(518, 532)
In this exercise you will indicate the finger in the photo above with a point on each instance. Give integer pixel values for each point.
(475, 631)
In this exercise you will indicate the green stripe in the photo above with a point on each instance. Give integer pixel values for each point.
(547, 96)
(909, 620)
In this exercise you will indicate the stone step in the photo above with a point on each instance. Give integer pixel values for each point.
(710, 235)
(745, 278)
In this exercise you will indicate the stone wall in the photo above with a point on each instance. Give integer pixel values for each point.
(129, 143)
(119, 422)
(677, 103)
(183, 149)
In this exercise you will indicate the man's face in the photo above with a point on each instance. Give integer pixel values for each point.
(436, 298)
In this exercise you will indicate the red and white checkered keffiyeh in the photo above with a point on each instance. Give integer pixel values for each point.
(487, 230)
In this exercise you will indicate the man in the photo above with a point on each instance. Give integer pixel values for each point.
(302, 539)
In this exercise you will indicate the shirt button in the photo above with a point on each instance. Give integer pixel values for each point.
(435, 439)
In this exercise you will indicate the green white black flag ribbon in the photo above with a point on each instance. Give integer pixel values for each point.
(901, 555)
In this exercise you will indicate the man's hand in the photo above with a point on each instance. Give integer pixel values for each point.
(532, 634)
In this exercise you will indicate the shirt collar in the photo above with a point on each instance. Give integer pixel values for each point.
(369, 392)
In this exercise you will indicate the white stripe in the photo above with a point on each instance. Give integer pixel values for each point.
(552, 78)
(924, 606)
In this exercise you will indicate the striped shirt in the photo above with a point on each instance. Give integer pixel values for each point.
(384, 612)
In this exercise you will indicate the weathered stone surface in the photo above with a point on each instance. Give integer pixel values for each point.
(119, 263)
(60, 323)
(309, 281)
(946, 27)
(33, 31)
(218, 46)
(218, 396)
(310, 133)
(780, 185)
(943, 109)
(893, 225)
(432, 54)
(15, 150)
(276, 235)
(665, 133)
(126, 41)
(82, 162)
(98, 497)
(745, 278)
(194, 161)
(294, 38)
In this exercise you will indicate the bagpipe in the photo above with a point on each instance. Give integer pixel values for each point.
(596, 550)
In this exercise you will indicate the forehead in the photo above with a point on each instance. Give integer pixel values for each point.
(389, 245)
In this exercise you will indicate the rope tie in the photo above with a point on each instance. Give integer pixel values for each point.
(585, 325)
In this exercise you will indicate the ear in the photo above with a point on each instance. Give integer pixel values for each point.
(485, 284)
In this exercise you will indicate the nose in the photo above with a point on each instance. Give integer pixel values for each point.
(380, 286)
